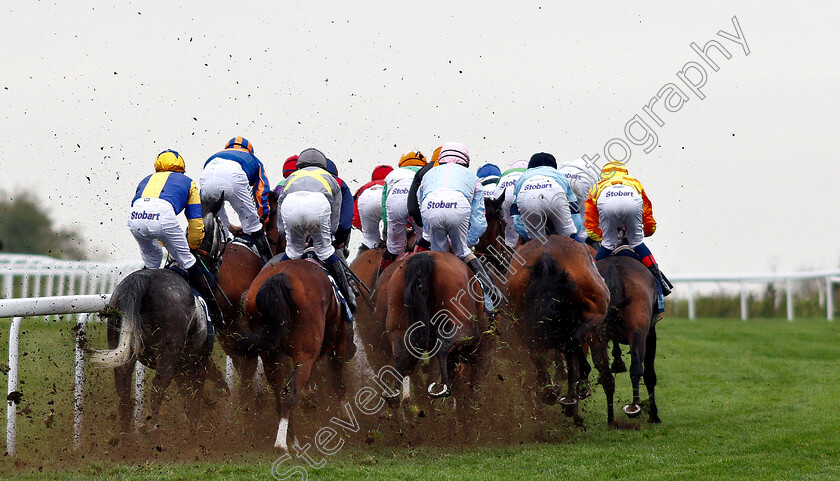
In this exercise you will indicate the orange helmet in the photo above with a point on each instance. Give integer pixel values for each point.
(412, 158)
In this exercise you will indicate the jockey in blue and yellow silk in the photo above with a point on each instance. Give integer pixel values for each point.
(237, 176)
(159, 198)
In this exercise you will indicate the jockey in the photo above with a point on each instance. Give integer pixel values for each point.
(289, 166)
(581, 176)
(452, 207)
(368, 208)
(619, 200)
(345, 218)
(394, 206)
(543, 201)
(506, 183)
(237, 176)
(311, 204)
(489, 175)
(160, 197)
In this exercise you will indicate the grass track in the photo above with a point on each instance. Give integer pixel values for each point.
(739, 400)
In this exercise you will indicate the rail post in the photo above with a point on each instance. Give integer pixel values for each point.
(11, 406)
(79, 385)
(744, 312)
(789, 298)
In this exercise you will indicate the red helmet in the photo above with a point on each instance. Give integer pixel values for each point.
(289, 166)
(380, 172)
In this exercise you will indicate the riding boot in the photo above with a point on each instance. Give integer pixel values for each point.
(336, 270)
(422, 245)
(660, 278)
(387, 260)
(261, 241)
(199, 280)
(492, 294)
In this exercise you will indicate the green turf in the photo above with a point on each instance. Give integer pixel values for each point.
(739, 400)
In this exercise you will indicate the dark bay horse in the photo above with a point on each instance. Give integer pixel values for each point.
(234, 272)
(431, 312)
(557, 299)
(153, 318)
(291, 310)
(631, 319)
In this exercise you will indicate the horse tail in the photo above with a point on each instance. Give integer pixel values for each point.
(418, 279)
(129, 295)
(274, 302)
(615, 284)
(550, 292)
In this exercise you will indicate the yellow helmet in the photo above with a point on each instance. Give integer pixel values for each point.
(170, 161)
(613, 168)
(412, 158)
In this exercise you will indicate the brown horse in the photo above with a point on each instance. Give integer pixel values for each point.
(492, 245)
(291, 310)
(558, 299)
(234, 272)
(431, 312)
(631, 319)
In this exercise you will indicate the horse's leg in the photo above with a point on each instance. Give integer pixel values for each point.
(163, 377)
(445, 385)
(404, 362)
(297, 384)
(650, 375)
(123, 380)
(637, 355)
(559, 367)
(617, 363)
(548, 392)
(246, 368)
(598, 347)
(584, 387)
(570, 400)
(338, 358)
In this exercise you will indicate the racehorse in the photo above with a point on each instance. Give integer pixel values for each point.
(559, 298)
(154, 318)
(432, 309)
(372, 325)
(237, 267)
(491, 244)
(291, 309)
(631, 319)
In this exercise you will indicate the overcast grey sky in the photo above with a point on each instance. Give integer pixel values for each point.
(739, 180)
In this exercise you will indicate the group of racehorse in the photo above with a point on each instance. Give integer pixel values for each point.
(559, 304)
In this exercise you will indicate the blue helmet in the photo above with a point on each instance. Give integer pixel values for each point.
(488, 170)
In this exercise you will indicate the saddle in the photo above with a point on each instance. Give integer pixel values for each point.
(309, 255)
(246, 240)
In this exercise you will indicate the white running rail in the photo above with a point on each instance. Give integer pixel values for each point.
(830, 277)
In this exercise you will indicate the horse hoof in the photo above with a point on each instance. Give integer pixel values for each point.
(568, 401)
(549, 396)
(632, 410)
(438, 394)
(654, 420)
(583, 389)
(393, 401)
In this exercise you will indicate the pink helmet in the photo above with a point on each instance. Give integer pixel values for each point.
(454, 153)
(519, 164)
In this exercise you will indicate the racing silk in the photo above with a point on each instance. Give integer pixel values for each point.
(255, 172)
(316, 179)
(345, 217)
(357, 221)
(279, 187)
(458, 178)
(399, 178)
(613, 174)
(552, 174)
(508, 179)
(181, 192)
(413, 201)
